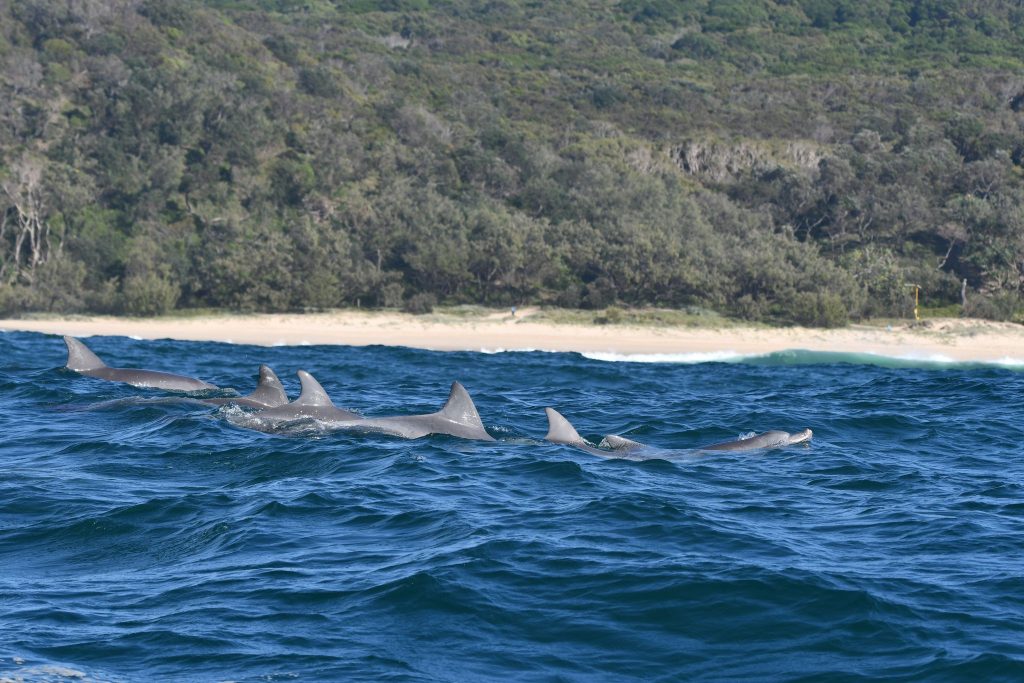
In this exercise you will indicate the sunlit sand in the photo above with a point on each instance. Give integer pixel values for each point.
(941, 339)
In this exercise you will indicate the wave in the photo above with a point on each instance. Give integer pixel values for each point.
(684, 358)
(807, 357)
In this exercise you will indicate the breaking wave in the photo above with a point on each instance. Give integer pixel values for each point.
(806, 357)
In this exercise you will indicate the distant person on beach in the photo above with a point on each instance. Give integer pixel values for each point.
(513, 311)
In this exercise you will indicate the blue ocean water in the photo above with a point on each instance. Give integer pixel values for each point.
(144, 539)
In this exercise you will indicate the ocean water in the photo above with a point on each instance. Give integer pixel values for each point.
(146, 538)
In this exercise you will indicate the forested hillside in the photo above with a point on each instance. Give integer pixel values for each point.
(789, 160)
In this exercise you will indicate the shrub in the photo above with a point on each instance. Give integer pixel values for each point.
(420, 304)
(10, 301)
(57, 286)
(612, 316)
(598, 294)
(392, 294)
(748, 308)
(149, 295)
(1006, 306)
(819, 309)
(696, 46)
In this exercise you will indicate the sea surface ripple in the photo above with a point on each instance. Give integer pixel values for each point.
(147, 538)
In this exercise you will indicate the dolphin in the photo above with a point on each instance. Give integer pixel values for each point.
(772, 439)
(457, 417)
(313, 402)
(561, 431)
(269, 393)
(85, 362)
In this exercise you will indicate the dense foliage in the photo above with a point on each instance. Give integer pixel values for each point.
(793, 160)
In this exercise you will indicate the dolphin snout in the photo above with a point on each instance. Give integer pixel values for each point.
(801, 437)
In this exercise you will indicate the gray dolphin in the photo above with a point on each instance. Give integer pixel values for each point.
(269, 393)
(561, 431)
(313, 402)
(457, 417)
(772, 439)
(85, 362)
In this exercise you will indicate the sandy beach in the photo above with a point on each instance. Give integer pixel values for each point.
(953, 339)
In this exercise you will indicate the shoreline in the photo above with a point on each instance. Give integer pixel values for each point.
(953, 339)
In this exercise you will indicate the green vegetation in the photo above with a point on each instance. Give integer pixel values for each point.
(794, 161)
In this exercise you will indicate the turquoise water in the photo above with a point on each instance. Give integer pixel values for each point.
(144, 539)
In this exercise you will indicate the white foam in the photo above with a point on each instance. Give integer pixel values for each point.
(1007, 361)
(942, 359)
(913, 357)
(47, 672)
(920, 357)
(615, 357)
(695, 357)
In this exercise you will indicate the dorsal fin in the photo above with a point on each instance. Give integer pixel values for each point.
(312, 393)
(559, 429)
(460, 408)
(80, 357)
(269, 389)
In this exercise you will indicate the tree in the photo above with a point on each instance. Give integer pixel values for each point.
(24, 225)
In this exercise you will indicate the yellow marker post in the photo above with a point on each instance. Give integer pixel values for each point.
(917, 296)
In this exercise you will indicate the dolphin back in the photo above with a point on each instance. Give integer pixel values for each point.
(80, 358)
(620, 443)
(771, 439)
